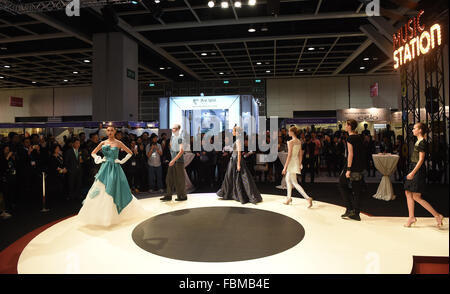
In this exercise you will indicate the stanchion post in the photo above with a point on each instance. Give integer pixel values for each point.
(44, 209)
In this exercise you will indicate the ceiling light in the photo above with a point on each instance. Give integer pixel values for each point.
(267, 71)
(301, 69)
(66, 80)
(237, 4)
(321, 48)
(33, 82)
(2, 77)
(362, 67)
(204, 54)
(258, 63)
(75, 72)
(161, 68)
(3, 48)
(169, 67)
(311, 48)
(157, 1)
(211, 4)
(267, 62)
(86, 60)
(264, 29)
(251, 30)
(365, 59)
(151, 84)
(213, 53)
(135, 2)
(220, 73)
(252, 2)
(375, 58)
(224, 4)
(7, 66)
(181, 75)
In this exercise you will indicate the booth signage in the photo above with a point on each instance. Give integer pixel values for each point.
(412, 40)
(131, 74)
(368, 114)
(15, 101)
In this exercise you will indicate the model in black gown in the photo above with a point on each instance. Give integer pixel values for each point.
(238, 184)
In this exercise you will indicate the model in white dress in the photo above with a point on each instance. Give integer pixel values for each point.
(293, 167)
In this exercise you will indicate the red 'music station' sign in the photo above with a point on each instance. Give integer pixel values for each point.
(15, 101)
(412, 40)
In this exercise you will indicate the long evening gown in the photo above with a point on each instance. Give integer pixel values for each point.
(239, 186)
(109, 201)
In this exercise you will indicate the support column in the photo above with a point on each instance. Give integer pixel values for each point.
(115, 78)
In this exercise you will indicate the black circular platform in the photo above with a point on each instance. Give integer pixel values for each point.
(218, 234)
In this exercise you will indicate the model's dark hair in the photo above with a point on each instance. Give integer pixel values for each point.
(423, 128)
(352, 123)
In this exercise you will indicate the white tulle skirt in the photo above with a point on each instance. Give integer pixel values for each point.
(99, 208)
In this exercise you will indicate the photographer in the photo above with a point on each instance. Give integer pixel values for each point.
(154, 153)
(8, 180)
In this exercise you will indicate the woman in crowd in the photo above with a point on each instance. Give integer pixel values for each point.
(8, 180)
(415, 184)
(293, 166)
(56, 174)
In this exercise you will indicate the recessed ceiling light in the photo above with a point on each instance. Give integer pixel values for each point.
(321, 48)
(66, 80)
(213, 53)
(2, 77)
(181, 75)
(161, 68)
(367, 58)
(224, 4)
(267, 71)
(237, 4)
(75, 72)
(135, 2)
(204, 54)
(267, 62)
(301, 69)
(157, 1)
(258, 63)
(252, 2)
(220, 73)
(362, 67)
(3, 48)
(251, 30)
(7, 66)
(311, 48)
(33, 82)
(375, 58)
(169, 67)
(211, 4)
(86, 60)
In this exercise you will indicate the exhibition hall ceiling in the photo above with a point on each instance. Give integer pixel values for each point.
(186, 40)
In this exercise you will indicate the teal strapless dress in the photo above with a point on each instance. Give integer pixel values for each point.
(109, 200)
(114, 179)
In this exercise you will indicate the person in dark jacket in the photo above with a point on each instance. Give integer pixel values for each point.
(56, 176)
(72, 161)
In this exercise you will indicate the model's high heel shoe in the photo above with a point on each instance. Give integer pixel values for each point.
(289, 201)
(440, 219)
(409, 223)
(310, 201)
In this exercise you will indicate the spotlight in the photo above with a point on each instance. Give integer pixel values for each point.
(252, 2)
(237, 4)
(211, 4)
(224, 4)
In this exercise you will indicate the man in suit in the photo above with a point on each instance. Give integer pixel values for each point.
(72, 161)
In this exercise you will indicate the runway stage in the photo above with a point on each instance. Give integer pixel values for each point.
(207, 235)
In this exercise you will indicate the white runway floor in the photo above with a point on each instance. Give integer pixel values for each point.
(331, 245)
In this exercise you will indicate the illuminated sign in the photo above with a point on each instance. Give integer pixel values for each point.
(412, 40)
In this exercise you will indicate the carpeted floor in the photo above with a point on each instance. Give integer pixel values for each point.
(28, 218)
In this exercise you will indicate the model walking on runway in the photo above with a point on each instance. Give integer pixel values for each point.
(238, 183)
(109, 201)
(415, 183)
(293, 167)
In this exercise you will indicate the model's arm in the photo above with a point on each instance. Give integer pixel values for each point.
(239, 155)
(288, 158)
(99, 146)
(349, 159)
(417, 167)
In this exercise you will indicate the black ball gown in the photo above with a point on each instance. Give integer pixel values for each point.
(239, 185)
